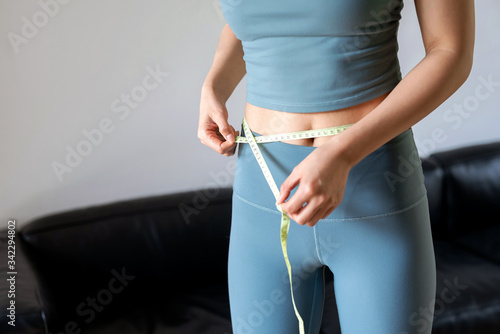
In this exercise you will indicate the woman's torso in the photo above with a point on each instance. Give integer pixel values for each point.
(315, 64)
(267, 121)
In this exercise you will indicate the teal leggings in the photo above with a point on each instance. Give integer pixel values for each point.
(377, 243)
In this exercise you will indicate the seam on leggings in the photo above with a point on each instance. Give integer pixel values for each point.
(276, 212)
(257, 205)
(392, 213)
(318, 248)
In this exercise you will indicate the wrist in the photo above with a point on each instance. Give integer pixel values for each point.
(340, 151)
(213, 89)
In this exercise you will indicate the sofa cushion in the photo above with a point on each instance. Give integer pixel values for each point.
(467, 292)
(201, 310)
(484, 243)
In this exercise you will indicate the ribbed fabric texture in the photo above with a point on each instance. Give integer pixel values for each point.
(316, 55)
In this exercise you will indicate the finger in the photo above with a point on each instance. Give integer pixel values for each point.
(225, 129)
(233, 151)
(218, 144)
(316, 217)
(212, 140)
(232, 146)
(228, 146)
(286, 187)
(328, 212)
(295, 203)
(308, 212)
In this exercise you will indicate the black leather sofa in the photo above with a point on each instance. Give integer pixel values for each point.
(158, 264)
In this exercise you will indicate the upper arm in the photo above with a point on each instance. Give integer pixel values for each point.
(447, 25)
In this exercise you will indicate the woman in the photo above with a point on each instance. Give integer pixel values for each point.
(356, 198)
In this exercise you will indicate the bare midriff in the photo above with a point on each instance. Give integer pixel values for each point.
(267, 121)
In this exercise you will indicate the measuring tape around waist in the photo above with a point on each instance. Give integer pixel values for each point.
(285, 220)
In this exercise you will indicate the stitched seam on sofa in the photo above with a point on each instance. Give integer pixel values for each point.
(424, 197)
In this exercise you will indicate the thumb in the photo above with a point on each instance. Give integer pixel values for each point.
(225, 129)
(286, 187)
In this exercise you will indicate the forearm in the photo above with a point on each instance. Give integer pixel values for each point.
(228, 67)
(422, 90)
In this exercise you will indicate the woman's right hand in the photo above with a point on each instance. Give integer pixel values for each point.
(213, 127)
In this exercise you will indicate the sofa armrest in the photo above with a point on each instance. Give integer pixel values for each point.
(156, 246)
(27, 314)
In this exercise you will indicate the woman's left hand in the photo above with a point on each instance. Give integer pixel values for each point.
(322, 177)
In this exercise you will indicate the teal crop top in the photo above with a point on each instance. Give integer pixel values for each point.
(316, 55)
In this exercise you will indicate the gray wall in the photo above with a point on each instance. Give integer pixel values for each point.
(87, 70)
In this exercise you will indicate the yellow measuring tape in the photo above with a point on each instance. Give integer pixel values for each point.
(285, 220)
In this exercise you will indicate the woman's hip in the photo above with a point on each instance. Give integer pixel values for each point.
(387, 180)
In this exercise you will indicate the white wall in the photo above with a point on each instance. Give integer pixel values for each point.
(65, 78)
